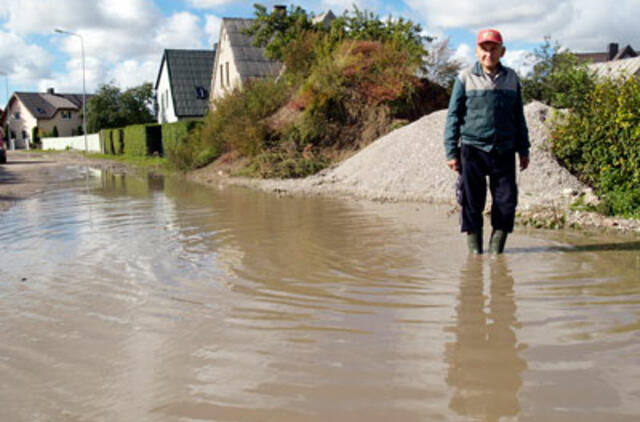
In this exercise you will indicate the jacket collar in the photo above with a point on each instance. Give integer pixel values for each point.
(477, 69)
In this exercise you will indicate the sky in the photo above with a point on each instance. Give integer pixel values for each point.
(124, 39)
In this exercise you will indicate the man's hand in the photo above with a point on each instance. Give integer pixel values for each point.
(453, 164)
(524, 163)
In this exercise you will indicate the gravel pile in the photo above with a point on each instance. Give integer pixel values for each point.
(410, 164)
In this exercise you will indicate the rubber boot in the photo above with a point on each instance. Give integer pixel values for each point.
(474, 242)
(497, 241)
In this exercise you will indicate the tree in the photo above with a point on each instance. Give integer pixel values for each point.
(111, 108)
(442, 68)
(557, 78)
(276, 31)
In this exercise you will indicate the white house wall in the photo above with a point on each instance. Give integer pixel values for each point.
(73, 142)
(65, 127)
(224, 59)
(164, 97)
(25, 124)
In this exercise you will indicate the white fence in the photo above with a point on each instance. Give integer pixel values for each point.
(73, 142)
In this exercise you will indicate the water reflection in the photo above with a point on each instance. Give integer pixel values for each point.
(228, 304)
(484, 362)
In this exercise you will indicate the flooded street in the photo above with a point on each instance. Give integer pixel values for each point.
(128, 298)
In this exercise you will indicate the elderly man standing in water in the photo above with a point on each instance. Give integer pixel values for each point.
(485, 129)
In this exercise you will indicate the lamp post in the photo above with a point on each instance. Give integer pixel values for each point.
(84, 100)
(6, 87)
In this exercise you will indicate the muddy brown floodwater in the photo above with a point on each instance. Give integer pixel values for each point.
(134, 298)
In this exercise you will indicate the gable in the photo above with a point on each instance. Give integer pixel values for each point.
(190, 79)
(249, 60)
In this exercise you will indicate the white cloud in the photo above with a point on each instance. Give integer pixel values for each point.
(518, 60)
(465, 54)
(121, 55)
(21, 61)
(182, 30)
(212, 28)
(132, 73)
(209, 4)
(581, 25)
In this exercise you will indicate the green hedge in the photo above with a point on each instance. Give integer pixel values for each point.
(150, 139)
(106, 135)
(135, 140)
(173, 134)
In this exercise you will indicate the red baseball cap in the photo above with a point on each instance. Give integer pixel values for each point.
(489, 35)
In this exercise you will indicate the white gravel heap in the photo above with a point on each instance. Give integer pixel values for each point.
(410, 164)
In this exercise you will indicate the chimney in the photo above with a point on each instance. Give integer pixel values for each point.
(613, 50)
(279, 9)
(51, 91)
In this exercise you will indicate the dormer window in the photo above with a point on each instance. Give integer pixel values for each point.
(40, 110)
(65, 114)
(201, 93)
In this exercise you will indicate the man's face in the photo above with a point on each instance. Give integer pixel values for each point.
(489, 54)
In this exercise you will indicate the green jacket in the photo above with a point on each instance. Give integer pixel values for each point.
(486, 113)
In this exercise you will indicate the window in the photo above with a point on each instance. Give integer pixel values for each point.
(40, 110)
(227, 65)
(16, 115)
(201, 93)
(65, 114)
(221, 76)
(166, 98)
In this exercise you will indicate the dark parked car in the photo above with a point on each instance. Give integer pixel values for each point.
(3, 152)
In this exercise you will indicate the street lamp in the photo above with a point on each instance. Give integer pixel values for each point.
(84, 100)
(6, 87)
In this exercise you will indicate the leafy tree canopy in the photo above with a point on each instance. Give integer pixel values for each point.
(111, 108)
(275, 31)
(557, 78)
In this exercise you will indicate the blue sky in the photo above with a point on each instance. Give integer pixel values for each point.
(124, 39)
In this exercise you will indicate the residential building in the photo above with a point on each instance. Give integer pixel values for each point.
(183, 83)
(617, 68)
(49, 112)
(613, 53)
(237, 59)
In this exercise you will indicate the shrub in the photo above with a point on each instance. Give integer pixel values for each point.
(286, 161)
(135, 140)
(54, 133)
(183, 145)
(599, 141)
(237, 121)
(35, 136)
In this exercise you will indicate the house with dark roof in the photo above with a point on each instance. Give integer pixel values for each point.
(182, 85)
(237, 59)
(617, 68)
(49, 112)
(613, 53)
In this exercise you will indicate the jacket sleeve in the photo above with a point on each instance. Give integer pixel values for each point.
(455, 118)
(522, 135)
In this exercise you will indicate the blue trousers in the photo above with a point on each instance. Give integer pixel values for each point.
(500, 168)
